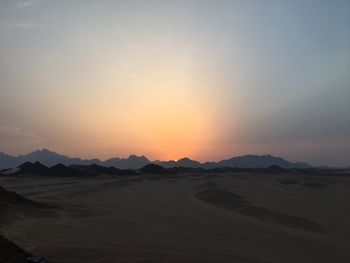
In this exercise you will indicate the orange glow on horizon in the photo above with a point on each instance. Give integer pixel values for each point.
(162, 115)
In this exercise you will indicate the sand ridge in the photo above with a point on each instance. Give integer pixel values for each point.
(173, 218)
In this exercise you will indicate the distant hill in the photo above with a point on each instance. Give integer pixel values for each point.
(256, 161)
(32, 168)
(246, 161)
(8, 161)
(49, 158)
(132, 162)
(184, 162)
(154, 169)
(37, 168)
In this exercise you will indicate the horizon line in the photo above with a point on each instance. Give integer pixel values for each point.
(142, 155)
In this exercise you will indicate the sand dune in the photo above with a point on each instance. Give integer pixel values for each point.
(238, 204)
(11, 253)
(14, 207)
(186, 218)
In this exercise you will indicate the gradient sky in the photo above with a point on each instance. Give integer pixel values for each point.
(168, 79)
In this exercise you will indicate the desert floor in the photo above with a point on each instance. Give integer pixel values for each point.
(185, 218)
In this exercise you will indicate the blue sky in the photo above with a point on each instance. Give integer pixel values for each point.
(204, 79)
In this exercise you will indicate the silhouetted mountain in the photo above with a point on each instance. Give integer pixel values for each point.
(32, 168)
(154, 169)
(132, 162)
(49, 158)
(62, 170)
(184, 162)
(255, 161)
(8, 161)
(56, 170)
(247, 161)
(43, 156)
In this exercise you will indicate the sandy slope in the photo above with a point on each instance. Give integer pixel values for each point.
(220, 218)
(15, 207)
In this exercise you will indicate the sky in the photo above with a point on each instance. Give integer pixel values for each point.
(167, 79)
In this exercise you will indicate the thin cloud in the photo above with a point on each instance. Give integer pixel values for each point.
(9, 129)
(24, 26)
(10, 132)
(26, 4)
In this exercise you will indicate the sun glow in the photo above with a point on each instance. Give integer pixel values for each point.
(162, 113)
(169, 122)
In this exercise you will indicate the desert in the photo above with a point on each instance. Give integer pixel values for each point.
(182, 217)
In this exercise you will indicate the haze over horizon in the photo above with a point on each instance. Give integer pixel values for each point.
(43, 150)
(206, 80)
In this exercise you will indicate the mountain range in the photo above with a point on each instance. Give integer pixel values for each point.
(246, 161)
(50, 158)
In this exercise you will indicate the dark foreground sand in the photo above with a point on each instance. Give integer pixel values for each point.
(185, 218)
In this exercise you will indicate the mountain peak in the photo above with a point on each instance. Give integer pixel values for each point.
(184, 162)
(154, 168)
(43, 152)
(35, 168)
(50, 158)
(132, 162)
(133, 156)
(184, 159)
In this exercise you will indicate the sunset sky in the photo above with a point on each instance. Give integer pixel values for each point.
(168, 79)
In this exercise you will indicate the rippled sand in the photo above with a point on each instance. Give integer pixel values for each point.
(185, 218)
